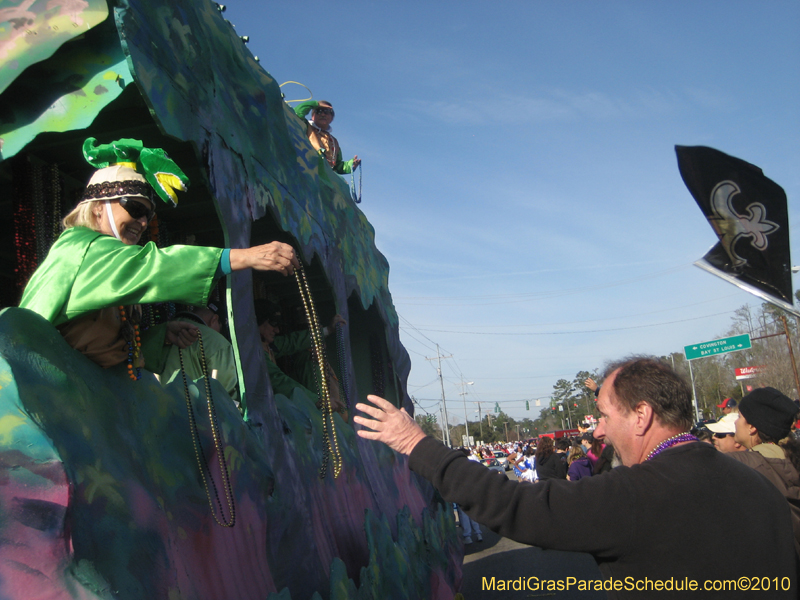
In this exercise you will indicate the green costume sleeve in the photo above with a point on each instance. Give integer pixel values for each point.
(302, 109)
(86, 271)
(283, 384)
(343, 167)
(292, 343)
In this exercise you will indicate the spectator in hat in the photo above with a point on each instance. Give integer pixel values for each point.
(724, 431)
(728, 406)
(763, 427)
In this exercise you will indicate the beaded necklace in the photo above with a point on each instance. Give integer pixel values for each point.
(356, 197)
(202, 462)
(130, 333)
(330, 448)
(668, 443)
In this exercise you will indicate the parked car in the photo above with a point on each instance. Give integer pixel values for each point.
(493, 465)
(502, 458)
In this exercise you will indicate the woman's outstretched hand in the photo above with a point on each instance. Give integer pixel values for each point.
(275, 256)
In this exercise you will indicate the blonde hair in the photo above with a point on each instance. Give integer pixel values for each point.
(575, 452)
(82, 216)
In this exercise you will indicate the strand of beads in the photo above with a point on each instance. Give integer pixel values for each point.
(330, 444)
(24, 224)
(668, 443)
(134, 339)
(202, 462)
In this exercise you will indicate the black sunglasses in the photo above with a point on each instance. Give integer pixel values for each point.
(722, 436)
(137, 209)
(324, 111)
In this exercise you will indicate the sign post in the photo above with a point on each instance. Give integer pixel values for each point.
(713, 348)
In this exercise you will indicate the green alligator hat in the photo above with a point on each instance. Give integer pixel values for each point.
(132, 160)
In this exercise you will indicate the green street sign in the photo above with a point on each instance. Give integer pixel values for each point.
(714, 347)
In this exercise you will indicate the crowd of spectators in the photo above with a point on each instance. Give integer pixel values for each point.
(545, 457)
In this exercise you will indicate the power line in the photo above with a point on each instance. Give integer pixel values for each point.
(628, 316)
(497, 299)
(518, 333)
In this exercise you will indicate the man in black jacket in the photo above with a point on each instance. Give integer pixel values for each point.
(638, 520)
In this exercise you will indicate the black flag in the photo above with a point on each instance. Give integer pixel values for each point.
(748, 213)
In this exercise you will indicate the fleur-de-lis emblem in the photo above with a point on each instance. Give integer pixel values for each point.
(732, 226)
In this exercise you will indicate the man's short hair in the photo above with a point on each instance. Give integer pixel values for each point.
(646, 379)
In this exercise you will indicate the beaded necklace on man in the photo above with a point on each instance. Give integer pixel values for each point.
(668, 443)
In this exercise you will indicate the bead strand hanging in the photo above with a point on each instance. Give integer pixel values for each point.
(200, 456)
(24, 225)
(330, 449)
(130, 333)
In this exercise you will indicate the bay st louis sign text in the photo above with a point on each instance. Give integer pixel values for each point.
(721, 346)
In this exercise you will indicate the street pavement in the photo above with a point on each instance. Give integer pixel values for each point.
(507, 560)
(525, 567)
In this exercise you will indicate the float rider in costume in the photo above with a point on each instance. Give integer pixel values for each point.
(318, 130)
(219, 355)
(268, 317)
(96, 274)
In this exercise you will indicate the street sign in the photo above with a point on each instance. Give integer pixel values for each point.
(714, 347)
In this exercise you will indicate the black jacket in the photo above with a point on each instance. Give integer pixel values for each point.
(638, 522)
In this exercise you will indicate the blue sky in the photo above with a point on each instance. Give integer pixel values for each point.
(519, 167)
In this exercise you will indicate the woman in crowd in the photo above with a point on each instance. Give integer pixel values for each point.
(548, 463)
(96, 275)
(600, 455)
(579, 465)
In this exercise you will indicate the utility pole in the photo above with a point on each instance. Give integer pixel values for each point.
(442, 424)
(439, 358)
(480, 418)
(464, 384)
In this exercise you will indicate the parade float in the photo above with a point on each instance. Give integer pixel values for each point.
(102, 493)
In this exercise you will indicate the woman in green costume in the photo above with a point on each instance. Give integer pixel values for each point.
(96, 274)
